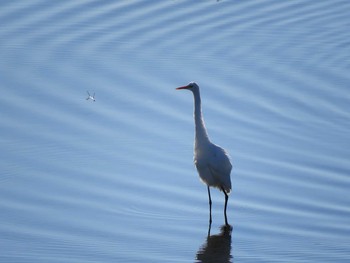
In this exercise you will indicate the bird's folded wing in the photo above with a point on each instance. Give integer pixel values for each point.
(220, 161)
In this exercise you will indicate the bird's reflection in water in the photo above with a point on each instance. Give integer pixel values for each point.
(217, 248)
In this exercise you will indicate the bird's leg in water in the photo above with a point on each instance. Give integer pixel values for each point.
(209, 228)
(226, 199)
(209, 206)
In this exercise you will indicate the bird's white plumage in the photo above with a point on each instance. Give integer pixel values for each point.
(213, 166)
(90, 97)
(212, 162)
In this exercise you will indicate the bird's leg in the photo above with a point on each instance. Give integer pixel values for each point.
(209, 228)
(226, 199)
(209, 207)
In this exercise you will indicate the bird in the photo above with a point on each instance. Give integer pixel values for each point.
(90, 97)
(212, 162)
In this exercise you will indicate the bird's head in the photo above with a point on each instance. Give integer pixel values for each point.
(192, 86)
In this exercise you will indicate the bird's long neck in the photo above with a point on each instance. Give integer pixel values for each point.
(201, 132)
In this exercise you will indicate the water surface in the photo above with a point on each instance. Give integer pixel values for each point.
(113, 180)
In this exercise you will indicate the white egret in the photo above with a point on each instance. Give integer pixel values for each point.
(212, 162)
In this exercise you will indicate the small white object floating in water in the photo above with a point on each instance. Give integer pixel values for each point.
(90, 97)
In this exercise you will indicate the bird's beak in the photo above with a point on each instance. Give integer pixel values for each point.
(183, 87)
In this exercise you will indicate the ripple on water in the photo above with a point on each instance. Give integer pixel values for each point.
(114, 179)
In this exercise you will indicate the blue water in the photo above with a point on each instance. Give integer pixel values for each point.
(113, 180)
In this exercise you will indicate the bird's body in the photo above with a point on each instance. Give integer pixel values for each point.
(91, 97)
(213, 166)
(212, 162)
